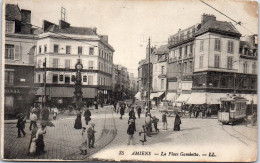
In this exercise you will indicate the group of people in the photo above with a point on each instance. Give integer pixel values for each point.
(88, 136)
(149, 120)
(36, 145)
(195, 110)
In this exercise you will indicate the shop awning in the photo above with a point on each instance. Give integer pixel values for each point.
(170, 96)
(66, 92)
(153, 95)
(197, 98)
(214, 98)
(183, 98)
(158, 94)
(138, 95)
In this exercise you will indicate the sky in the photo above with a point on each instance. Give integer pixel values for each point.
(129, 24)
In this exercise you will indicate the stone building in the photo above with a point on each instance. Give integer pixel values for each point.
(59, 47)
(19, 61)
(159, 80)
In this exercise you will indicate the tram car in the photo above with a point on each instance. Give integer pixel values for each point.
(232, 109)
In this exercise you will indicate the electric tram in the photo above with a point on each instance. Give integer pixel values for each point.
(232, 109)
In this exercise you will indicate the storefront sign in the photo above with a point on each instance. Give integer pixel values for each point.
(10, 90)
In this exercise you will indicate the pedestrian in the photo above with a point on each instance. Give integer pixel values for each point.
(148, 124)
(83, 147)
(32, 144)
(177, 122)
(114, 104)
(122, 111)
(139, 110)
(130, 131)
(96, 104)
(45, 114)
(101, 104)
(87, 116)
(39, 139)
(55, 113)
(38, 113)
(33, 119)
(21, 125)
(155, 122)
(164, 120)
(91, 136)
(78, 123)
(132, 114)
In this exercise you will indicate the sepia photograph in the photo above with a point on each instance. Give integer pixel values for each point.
(122, 80)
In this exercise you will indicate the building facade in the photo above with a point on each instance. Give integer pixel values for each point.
(159, 74)
(181, 64)
(58, 49)
(143, 74)
(19, 61)
(121, 82)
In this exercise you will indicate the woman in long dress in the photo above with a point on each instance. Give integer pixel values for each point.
(177, 123)
(78, 123)
(84, 146)
(39, 139)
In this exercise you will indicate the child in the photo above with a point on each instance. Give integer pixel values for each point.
(84, 145)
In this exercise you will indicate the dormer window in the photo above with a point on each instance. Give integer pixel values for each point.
(9, 26)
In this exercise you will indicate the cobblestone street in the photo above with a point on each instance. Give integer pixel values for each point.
(196, 135)
(61, 141)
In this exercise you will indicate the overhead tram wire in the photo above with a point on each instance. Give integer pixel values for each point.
(239, 23)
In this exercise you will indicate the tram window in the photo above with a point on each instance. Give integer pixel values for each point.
(232, 106)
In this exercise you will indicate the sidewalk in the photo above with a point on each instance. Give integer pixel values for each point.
(61, 141)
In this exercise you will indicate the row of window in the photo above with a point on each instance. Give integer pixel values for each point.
(56, 49)
(219, 81)
(67, 79)
(187, 52)
(217, 47)
(55, 64)
(182, 36)
(105, 55)
(185, 67)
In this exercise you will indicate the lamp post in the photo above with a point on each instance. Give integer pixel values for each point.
(149, 105)
(78, 84)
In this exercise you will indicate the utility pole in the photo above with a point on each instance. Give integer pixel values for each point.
(149, 46)
(44, 65)
(234, 83)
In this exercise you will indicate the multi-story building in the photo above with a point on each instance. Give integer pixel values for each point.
(221, 65)
(19, 61)
(159, 74)
(133, 89)
(180, 64)
(59, 47)
(207, 61)
(121, 82)
(143, 74)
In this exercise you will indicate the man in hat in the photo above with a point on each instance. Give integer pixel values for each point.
(91, 136)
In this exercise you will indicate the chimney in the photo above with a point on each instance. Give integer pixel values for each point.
(26, 16)
(207, 17)
(105, 38)
(94, 30)
(63, 24)
(26, 20)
